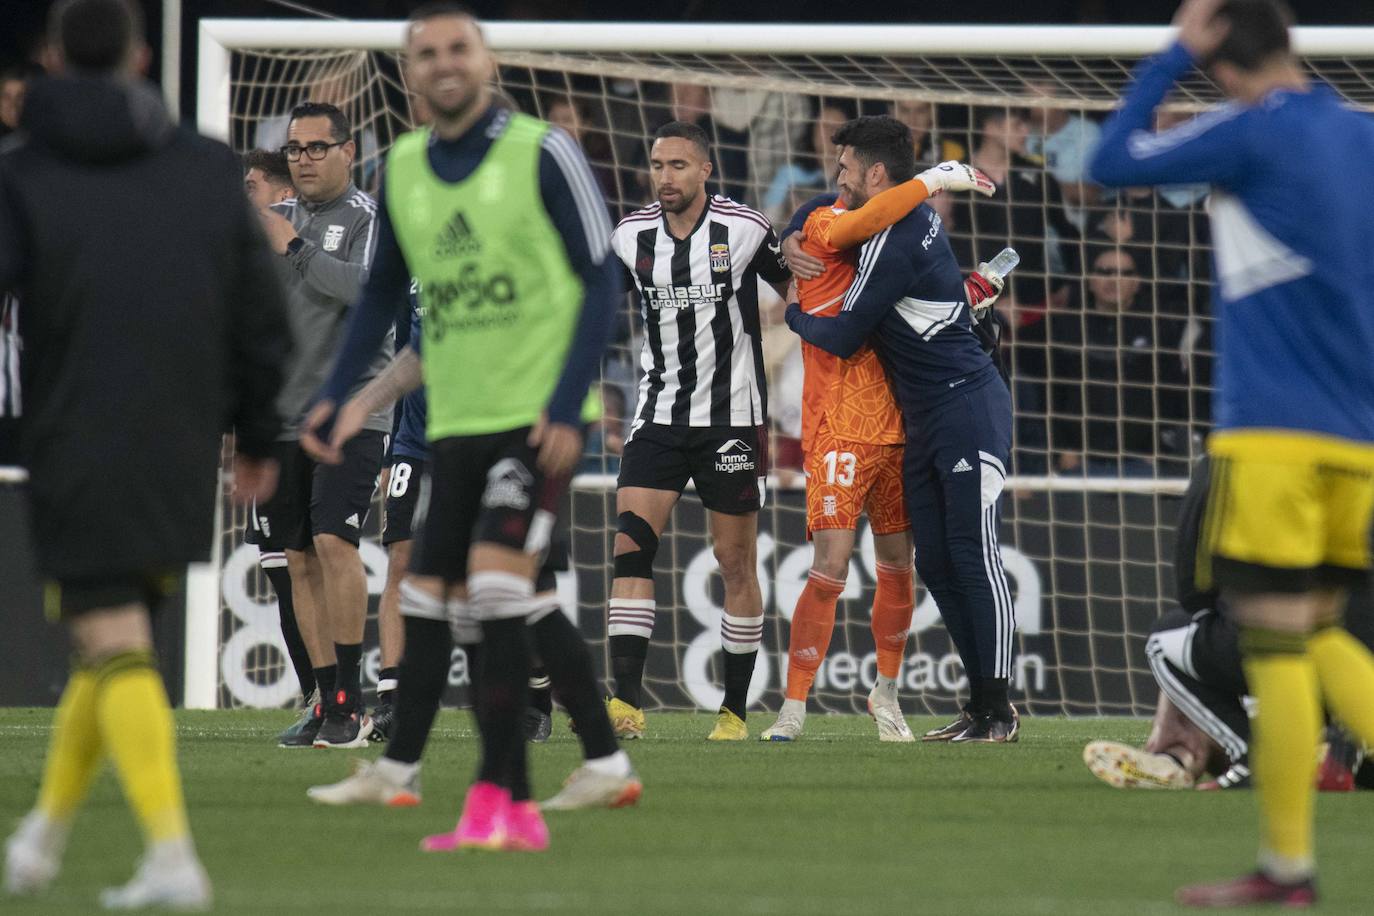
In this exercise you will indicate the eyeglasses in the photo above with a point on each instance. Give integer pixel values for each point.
(313, 151)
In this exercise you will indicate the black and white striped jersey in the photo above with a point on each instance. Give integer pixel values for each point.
(703, 356)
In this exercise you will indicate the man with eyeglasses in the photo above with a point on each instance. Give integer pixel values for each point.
(325, 240)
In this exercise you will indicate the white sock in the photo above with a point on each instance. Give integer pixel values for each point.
(396, 770)
(617, 764)
(795, 707)
(886, 688)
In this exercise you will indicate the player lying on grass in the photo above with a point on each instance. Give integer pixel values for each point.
(1201, 724)
(852, 445)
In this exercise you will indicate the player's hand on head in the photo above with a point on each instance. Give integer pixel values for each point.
(957, 176)
(802, 265)
(1199, 29)
(560, 447)
(255, 479)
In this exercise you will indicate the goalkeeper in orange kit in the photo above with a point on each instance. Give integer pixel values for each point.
(852, 442)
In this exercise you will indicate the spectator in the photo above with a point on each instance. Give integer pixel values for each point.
(14, 83)
(930, 148)
(729, 147)
(1064, 139)
(811, 170)
(570, 113)
(606, 437)
(1109, 367)
(1021, 214)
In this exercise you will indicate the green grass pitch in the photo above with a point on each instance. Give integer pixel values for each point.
(836, 823)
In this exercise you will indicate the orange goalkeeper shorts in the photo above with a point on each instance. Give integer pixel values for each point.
(845, 479)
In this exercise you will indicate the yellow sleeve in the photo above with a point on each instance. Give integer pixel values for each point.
(854, 227)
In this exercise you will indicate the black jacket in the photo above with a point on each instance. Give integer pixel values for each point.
(152, 323)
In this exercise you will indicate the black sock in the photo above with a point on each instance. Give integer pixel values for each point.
(280, 577)
(423, 674)
(504, 675)
(975, 695)
(541, 690)
(995, 699)
(383, 676)
(569, 664)
(324, 679)
(627, 665)
(347, 684)
(739, 671)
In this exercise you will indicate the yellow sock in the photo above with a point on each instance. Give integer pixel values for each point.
(136, 724)
(74, 751)
(1345, 670)
(1287, 728)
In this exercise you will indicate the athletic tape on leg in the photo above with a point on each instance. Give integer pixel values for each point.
(637, 563)
(495, 595)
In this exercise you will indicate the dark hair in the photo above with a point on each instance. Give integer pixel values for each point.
(271, 163)
(879, 138)
(437, 9)
(340, 130)
(1259, 31)
(95, 34)
(688, 131)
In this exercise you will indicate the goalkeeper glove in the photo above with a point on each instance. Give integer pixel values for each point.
(956, 176)
(982, 290)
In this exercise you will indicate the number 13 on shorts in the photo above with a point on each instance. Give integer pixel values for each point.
(839, 468)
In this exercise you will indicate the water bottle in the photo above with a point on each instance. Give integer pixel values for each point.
(1003, 264)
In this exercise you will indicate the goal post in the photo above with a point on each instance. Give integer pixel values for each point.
(1087, 529)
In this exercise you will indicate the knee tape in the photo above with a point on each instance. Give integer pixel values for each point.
(638, 563)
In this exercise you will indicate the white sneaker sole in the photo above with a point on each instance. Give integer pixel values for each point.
(1126, 767)
(890, 731)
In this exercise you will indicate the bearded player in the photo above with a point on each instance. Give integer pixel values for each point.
(852, 440)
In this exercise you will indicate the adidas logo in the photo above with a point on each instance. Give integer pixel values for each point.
(352, 521)
(809, 654)
(963, 465)
(456, 238)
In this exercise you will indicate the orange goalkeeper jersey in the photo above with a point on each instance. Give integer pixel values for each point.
(851, 396)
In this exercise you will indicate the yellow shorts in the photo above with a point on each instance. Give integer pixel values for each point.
(1288, 512)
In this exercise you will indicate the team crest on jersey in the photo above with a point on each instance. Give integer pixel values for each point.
(332, 237)
(720, 258)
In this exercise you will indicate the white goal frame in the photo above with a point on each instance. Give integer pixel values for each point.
(219, 38)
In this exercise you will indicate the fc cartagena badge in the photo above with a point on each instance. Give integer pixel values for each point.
(720, 259)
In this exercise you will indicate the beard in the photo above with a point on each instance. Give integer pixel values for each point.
(456, 109)
(683, 201)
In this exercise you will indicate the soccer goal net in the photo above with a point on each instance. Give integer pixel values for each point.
(1107, 323)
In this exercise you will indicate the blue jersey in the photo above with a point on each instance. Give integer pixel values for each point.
(1292, 213)
(907, 299)
(409, 440)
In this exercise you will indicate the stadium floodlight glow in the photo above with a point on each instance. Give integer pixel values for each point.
(1088, 554)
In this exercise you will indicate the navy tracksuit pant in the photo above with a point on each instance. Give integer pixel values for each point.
(955, 468)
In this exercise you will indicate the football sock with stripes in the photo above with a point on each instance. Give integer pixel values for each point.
(740, 638)
(629, 625)
(348, 681)
(137, 731)
(813, 622)
(569, 665)
(541, 690)
(1345, 671)
(74, 750)
(280, 577)
(893, 603)
(1287, 727)
(424, 672)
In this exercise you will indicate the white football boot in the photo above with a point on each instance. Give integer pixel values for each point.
(33, 854)
(380, 782)
(1129, 767)
(169, 875)
(788, 727)
(887, 712)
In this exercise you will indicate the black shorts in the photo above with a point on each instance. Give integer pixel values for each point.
(68, 598)
(402, 493)
(727, 463)
(482, 489)
(315, 498)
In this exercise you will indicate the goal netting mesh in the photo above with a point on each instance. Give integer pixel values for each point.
(1107, 332)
